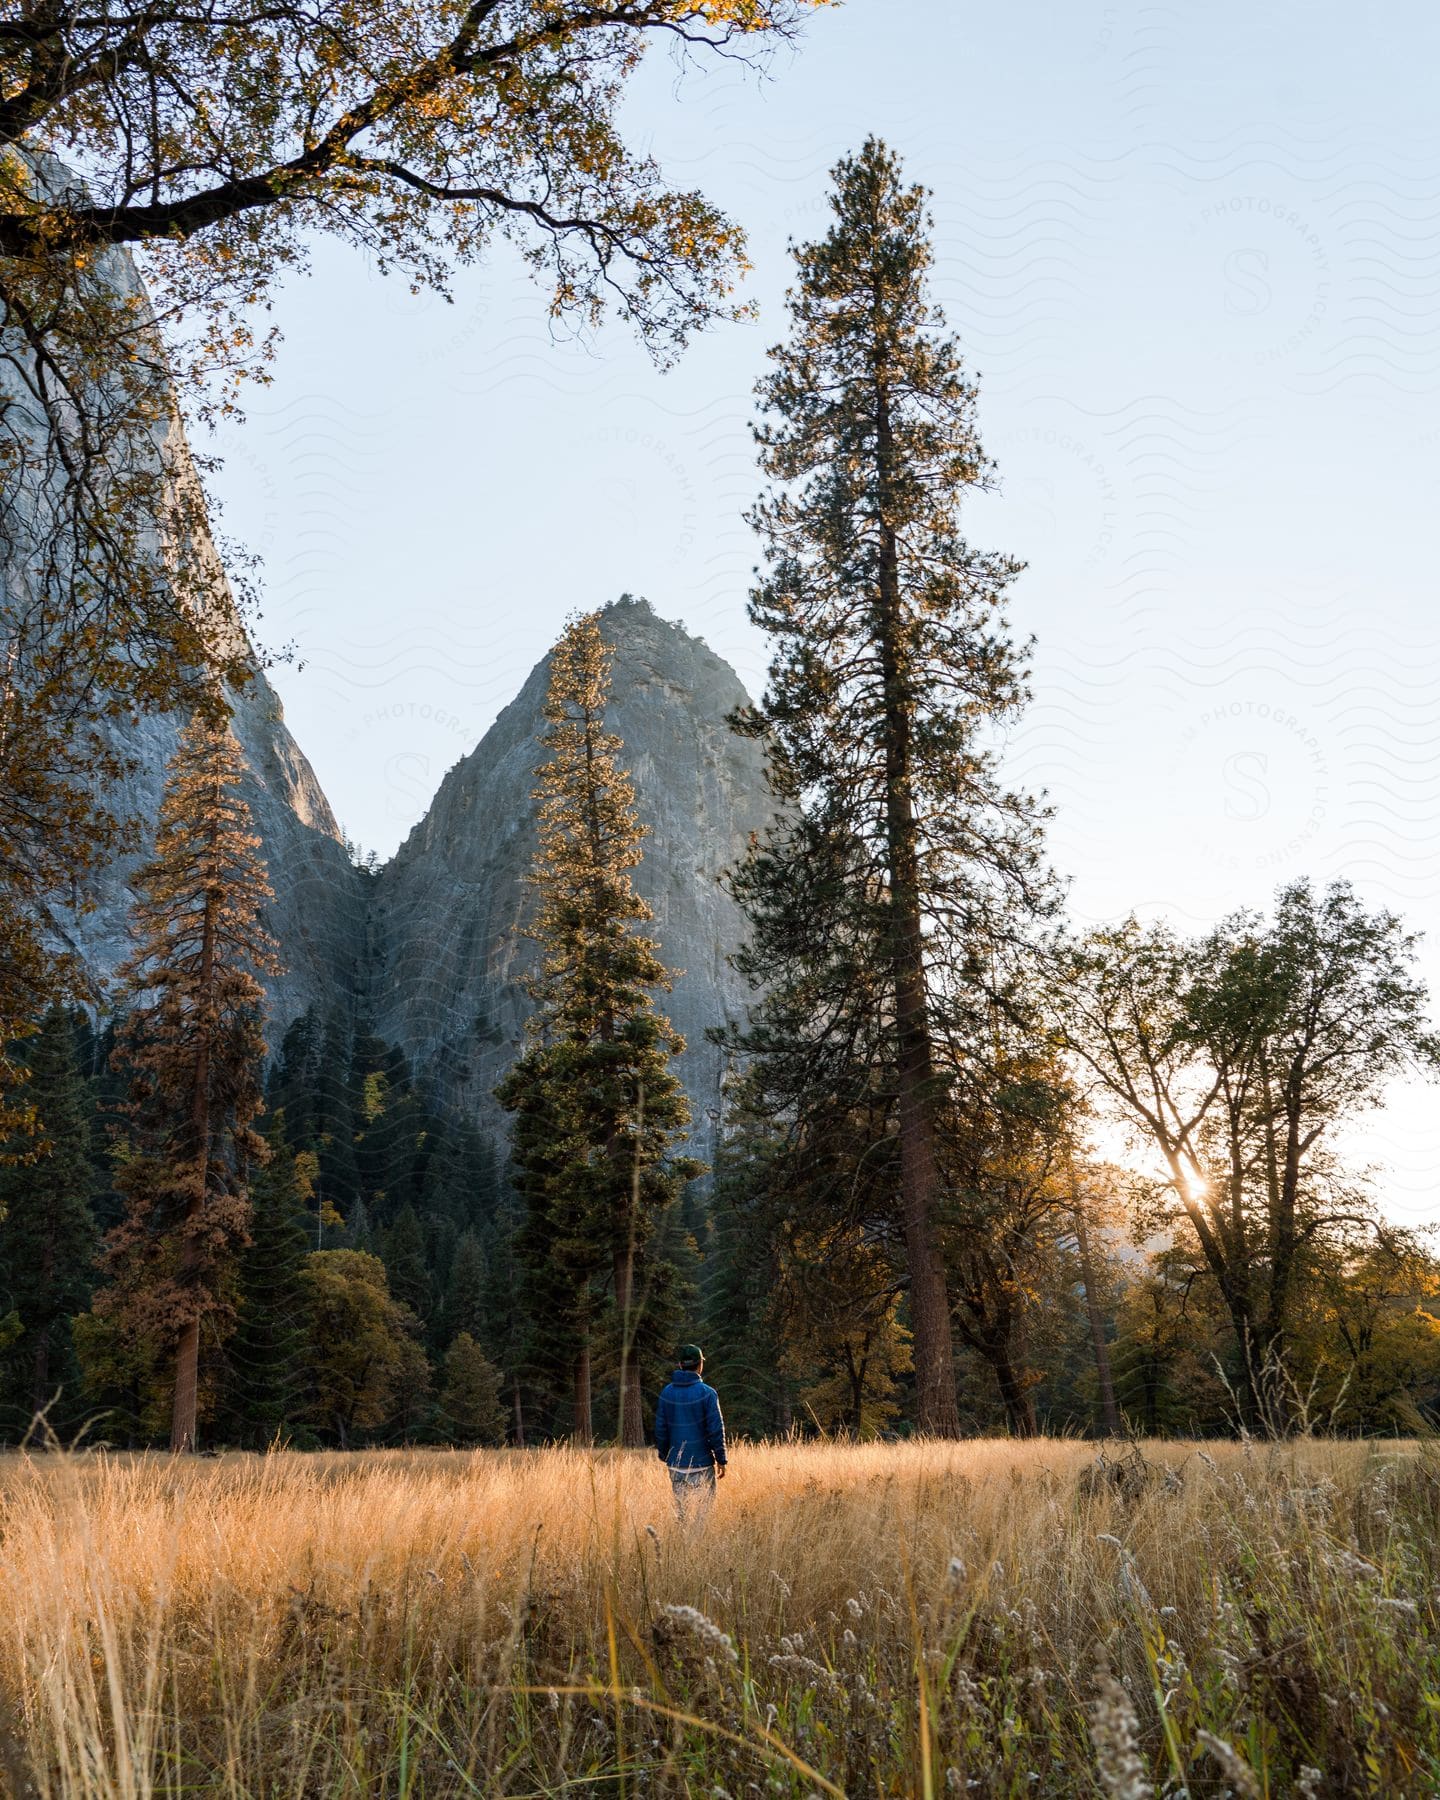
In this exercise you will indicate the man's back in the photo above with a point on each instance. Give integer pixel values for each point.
(689, 1429)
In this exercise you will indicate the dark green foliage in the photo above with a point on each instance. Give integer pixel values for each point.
(470, 1408)
(368, 1374)
(48, 1239)
(506, 1327)
(334, 1119)
(741, 1332)
(402, 1250)
(1240, 1057)
(266, 1384)
(465, 1302)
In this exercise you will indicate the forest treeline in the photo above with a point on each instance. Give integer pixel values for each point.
(978, 1170)
(378, 1300)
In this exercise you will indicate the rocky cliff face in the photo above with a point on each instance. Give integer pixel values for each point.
(318, 915)
(447, 914)
(320, 898)
(431, 950)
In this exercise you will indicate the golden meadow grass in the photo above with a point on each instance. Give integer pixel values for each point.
(976, 1618)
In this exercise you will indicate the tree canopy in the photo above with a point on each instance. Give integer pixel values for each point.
(901, 856)
(599, 1111)
(1236, 1057)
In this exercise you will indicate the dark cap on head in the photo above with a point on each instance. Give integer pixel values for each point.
(689, 1356)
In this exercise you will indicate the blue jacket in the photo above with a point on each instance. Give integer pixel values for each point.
(689, 1432)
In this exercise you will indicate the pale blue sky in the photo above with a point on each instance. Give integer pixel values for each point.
(1192, 252)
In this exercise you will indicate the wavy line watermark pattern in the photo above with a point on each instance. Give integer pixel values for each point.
(1194, 257)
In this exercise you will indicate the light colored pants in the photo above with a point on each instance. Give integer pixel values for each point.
(694, 1495)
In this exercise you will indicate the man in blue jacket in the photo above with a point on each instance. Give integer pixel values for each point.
(690, 1436)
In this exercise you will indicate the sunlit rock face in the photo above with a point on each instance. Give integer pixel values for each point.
(448, 950)
(318, 913)
(430, 950)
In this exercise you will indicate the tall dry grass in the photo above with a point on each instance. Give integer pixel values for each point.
(980, 1618)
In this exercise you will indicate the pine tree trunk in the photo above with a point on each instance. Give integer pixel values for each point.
(934, 1357)
(934, 1354)
(582, 1431)
(187, 1388)
(632, 1410)
(1108, 1409)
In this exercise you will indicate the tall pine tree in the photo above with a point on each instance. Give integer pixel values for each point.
(193, 1045)
(600, 1112)
(47, 1234)
(891, 665)
(464, 1309)
(266, 1386)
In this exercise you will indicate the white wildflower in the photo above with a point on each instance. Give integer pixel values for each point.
(1237, 1770)
(808, 1670)
(690, 1620)
(1132, 1587)
(1115, 1735)
(1347, 1563)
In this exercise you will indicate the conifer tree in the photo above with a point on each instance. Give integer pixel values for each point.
(739, 1280)
(294, 1079)
(47, 1233)
(193, 1045)
(363, 1356)
(404, 1255)
(266, 1390)
(470, 1398)
(503, 1305)
(335, 1120)
(464, 1309)
(599, 1111)
(891, 663)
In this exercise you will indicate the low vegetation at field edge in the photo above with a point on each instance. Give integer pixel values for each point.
(975, 1618)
